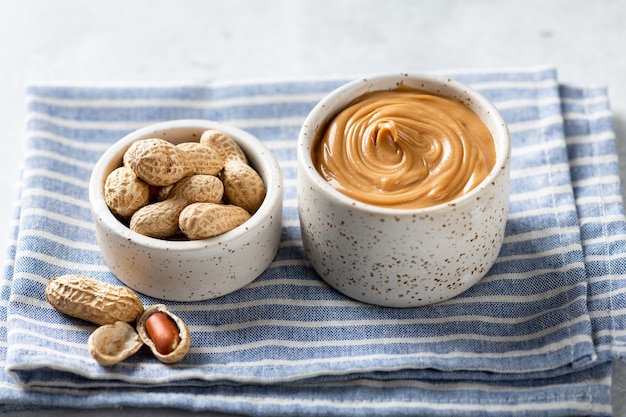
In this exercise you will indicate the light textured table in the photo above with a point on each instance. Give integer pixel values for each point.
(182, 40)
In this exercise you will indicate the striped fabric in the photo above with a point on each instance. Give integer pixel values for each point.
(534, 337)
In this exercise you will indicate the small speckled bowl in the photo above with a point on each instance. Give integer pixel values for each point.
(402, 257)
(190, 270)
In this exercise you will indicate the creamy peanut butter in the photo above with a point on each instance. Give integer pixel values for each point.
(404, 148)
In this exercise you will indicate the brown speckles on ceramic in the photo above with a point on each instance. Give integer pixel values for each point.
(403, 258)
(190, 270)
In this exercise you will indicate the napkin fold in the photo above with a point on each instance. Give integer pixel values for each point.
(537, 335)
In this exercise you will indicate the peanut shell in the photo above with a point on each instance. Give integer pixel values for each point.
(112, 343)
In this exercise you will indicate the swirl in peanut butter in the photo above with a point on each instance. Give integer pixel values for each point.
(405, 148)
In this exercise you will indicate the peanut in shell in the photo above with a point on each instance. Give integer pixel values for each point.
(243, 186)
(205, 220)
(224, 144)
(182, 345)
(92, 300)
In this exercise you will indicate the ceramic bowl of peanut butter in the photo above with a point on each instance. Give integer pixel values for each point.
(403, 188)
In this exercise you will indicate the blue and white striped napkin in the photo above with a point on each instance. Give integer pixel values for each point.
(537, 335)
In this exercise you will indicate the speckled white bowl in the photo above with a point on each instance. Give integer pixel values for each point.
(190, 270)
(402, 257)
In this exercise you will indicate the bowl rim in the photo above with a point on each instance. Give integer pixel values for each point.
(337, 99)
(257, 152)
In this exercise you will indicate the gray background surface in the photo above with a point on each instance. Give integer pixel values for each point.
(193, 40)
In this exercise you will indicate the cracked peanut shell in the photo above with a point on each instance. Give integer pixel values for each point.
(112, 343)
(182, 346)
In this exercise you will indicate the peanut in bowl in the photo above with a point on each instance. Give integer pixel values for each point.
(175, 268)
